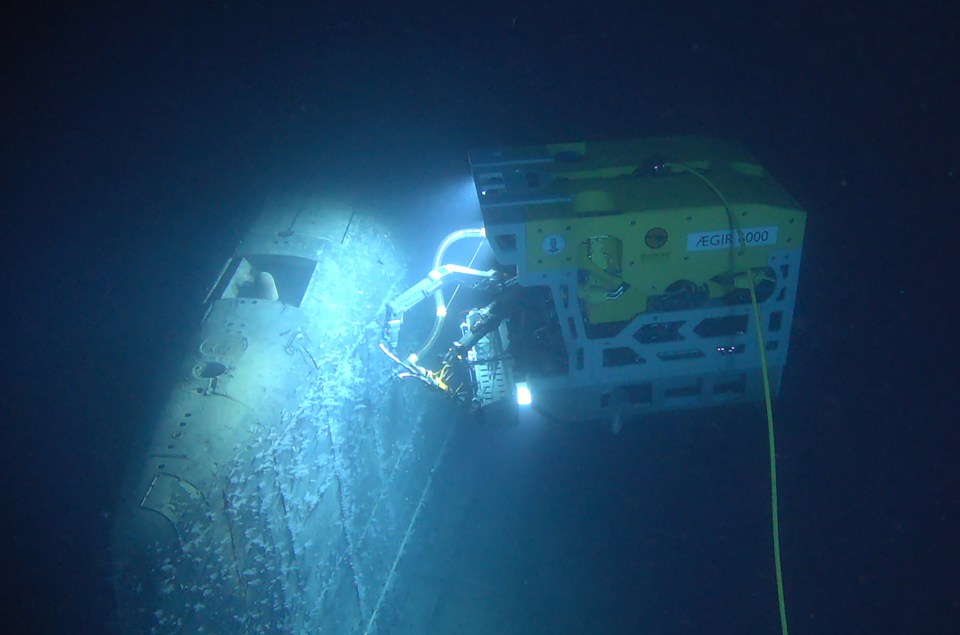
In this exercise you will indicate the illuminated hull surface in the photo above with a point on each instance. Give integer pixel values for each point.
(285, 466)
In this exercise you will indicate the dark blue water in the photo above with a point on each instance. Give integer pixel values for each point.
(138, 143)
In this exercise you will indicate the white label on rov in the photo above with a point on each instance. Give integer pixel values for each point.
(754, 236)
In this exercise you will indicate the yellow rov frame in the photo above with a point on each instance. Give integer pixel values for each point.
(632, 277)
(648, 279)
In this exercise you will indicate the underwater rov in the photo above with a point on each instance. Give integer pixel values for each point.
(623, 281)
(632, 277)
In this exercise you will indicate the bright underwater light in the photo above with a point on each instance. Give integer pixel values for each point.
(524, 398)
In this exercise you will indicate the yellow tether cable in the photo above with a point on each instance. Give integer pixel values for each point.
(680, 167)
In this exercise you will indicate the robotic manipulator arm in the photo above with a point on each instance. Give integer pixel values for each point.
(454, 377)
